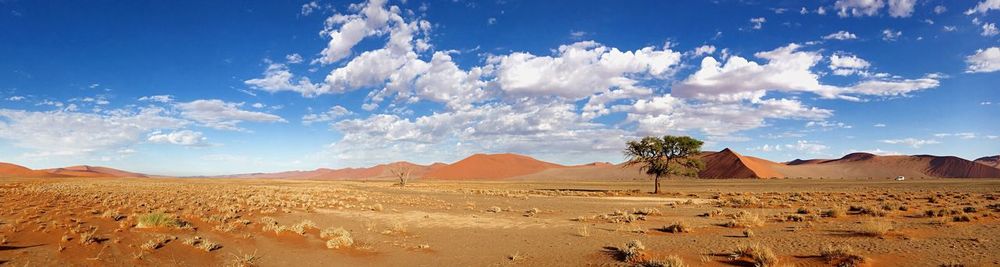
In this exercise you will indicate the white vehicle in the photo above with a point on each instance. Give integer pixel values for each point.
(900, 178)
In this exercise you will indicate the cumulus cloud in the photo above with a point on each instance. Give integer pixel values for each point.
(580, 69)
(858, 8)
(912, 142)
(222, 115)
(846, 64)
(840, 35)
(984, 60)
(984, 6)
(807, 146)
(758, 23)
(60, 133)
(716, 119)
(703, 50)
(182, 137)
(989, 29)
(890, 35)
(329, 115)
(158, 98)
(901, 8)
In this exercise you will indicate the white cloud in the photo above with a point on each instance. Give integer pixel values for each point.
(912, 142)
(15, 98)
(222, 115)
(877, 151)
(580, 69)
(758, 23)
(949, 28)
(890, 35)
(984, 60)
(329, 115)
(879, 125)
(182, 137)
(158, 98)
(703, 50)
(808, 147)
(491, 21)
(846, 64)
(827, 125)
(989, 29)
(901, 8)
(820, 11)
(308, 8)
(965, 135)
(840, 35)
(61, 133)
(294, 58)
(858, 8)
(984, 6)
(939, 9)
(716, 119)
(371, 19)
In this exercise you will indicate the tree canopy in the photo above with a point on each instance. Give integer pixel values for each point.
(663, 156)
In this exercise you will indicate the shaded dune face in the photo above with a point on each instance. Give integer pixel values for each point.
(92, 171)
(992, 161)
(729, 164)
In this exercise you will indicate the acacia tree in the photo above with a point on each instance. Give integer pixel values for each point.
(661, 157)
(402, 172)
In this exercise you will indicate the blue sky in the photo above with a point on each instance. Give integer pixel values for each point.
(193, 88)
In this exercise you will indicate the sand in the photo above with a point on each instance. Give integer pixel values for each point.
(473, 223)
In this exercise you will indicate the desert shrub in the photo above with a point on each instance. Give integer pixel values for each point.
(760, 255)
(794, 218)
(632, 251)
(962, 218)
(748, 233)
(677, 227)
(669, 261)
(802, 210)
(873, 211)
(336, 237)
(841, 256)
(494, 209)
(244, 260)
(647, 211)
(969, 210)
(88, 238)
(744, 219)
(713, 213)
(202, 244)
(532, 212)
(875, 228)
(157, 219)
(744, 202)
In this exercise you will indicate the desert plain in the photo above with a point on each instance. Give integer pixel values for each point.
(280, 222)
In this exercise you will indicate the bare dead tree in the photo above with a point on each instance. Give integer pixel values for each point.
(402, 172)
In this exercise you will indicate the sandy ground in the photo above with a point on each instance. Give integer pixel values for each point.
(105, 222)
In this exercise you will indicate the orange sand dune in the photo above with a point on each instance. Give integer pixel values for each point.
(381, 171)
(14, 170)
(729, 164)
(92, 171)
(491, 166)
(861, 165)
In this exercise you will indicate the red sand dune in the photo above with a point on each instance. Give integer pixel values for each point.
(381, 171)
(14, 170)
(860, 165)
(992, 161)
(491, 166)
(729, 164)
(92, 171)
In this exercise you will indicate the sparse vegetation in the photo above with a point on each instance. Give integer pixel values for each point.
(875, 228)
(841, 256)
(660, 157)
(677, 227)
(157, 219)
(744, 219)
(757, 254)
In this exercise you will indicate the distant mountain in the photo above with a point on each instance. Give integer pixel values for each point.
(491, 166)
(992, 161)
(92, 171)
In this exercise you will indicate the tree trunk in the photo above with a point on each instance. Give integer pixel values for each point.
(656, 187)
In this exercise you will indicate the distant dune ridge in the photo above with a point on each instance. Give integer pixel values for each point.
(992, 161)
(718, 165)
(13, 170)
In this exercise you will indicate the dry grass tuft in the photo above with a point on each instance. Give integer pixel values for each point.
(744, 219)
(760, 255)
(875, 228)
(841, 256)
(157, 219)
(336, 237)
(677, 227)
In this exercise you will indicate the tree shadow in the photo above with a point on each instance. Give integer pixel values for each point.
(5, 248)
